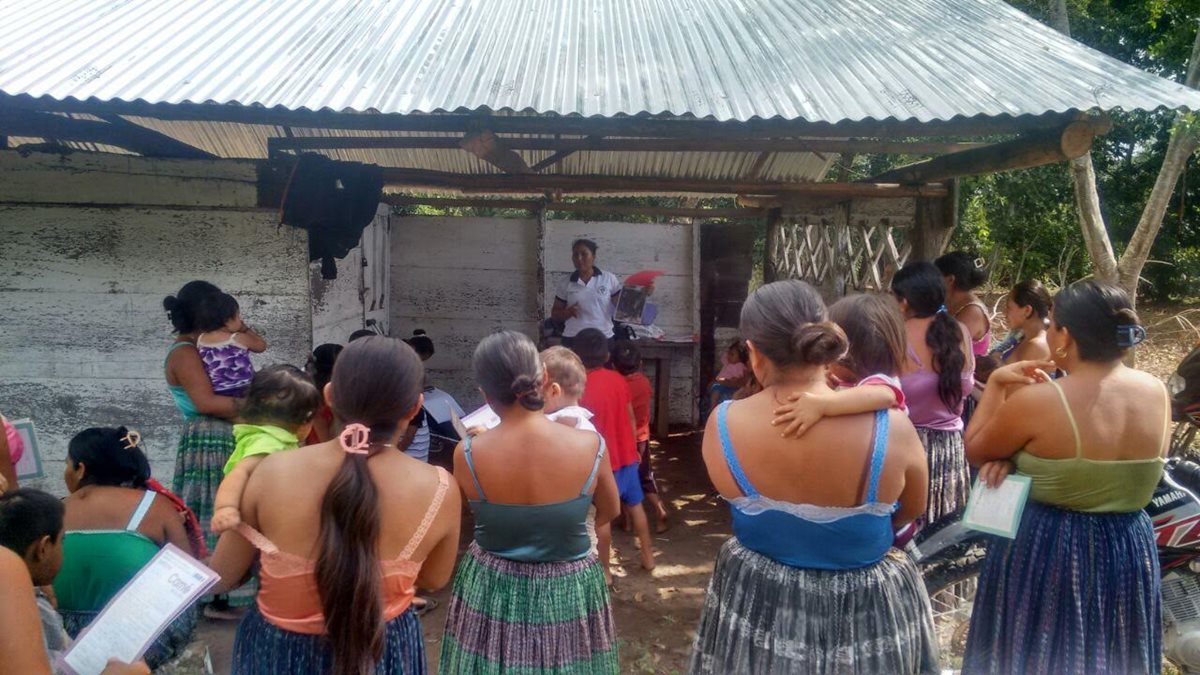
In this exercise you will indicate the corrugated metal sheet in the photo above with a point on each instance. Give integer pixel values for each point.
(818, 60)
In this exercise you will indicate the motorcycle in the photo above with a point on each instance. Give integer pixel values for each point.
(1184, 387)
(950, 557)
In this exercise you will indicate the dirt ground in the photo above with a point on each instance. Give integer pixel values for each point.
(657, 613)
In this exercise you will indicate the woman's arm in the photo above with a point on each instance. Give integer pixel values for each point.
(973, 317)
(439, 564)
(559, 311)
(606, 498)
(915, 496)
(8, 472)
(232, 561)
(1002, 423)
(21, 640)
(189, 370)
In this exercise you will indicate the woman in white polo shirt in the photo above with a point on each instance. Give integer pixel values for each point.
(586, 298)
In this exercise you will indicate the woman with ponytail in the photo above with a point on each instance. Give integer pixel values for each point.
(1078, 589)
(529, 596)
(347, 529)
(116, 518)
(806, 584)
(936, 381)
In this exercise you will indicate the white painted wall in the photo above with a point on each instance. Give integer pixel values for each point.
(625, 248)
(91, 245)
(463, 278)
(358, 297)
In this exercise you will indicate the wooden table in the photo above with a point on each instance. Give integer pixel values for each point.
(662, 353)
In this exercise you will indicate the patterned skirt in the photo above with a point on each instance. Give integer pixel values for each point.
(170, 644)
(1073, 593)
(205, 446)
(949, 475)
(523, 617)
(764, 617)
(263, 649)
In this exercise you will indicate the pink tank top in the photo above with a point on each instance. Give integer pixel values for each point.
(925, 408)
(16, 446)
(981, 346)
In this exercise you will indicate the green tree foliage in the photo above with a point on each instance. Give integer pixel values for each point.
(1025, 221)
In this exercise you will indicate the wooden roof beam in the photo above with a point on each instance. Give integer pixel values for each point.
(117, 131)
(600, 144)
(487, 146)
(538, 183)
(528, 124)
(574, 207)
(1033, 149)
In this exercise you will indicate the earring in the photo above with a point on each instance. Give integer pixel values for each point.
(1061, 353)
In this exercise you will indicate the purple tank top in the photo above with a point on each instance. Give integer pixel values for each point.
(228, 366)
(925, 407)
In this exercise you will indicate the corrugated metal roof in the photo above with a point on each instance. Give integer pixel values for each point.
(817, 60)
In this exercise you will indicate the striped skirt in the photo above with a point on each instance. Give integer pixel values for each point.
(263, 649)
(763, 617)
(949, 475)
(523, 617)
(1073, 593)
(170, 644)
(205, 446)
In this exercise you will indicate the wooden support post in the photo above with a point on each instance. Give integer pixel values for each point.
(1034, 149)
(770, 269)
(933, 226)
(540, 218)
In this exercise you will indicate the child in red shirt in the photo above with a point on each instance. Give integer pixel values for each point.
(606, 395)
(628, 362)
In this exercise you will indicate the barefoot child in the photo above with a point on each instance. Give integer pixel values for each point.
(867, 375)
(277, 412)
(606, 395)
(225, 342)
(628, 362)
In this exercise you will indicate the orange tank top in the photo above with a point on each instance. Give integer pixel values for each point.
(288, 596)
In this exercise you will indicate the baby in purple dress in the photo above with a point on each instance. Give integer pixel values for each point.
(225, 343)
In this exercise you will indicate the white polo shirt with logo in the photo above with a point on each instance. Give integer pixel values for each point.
(594, 299)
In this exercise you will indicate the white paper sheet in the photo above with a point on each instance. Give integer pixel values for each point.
(131, 621)
(483, 417)
(997, 510)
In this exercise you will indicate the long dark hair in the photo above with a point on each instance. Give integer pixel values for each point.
(921, 285)
(875, 329)
(376, 382)
(112, 457)
(1101, 319)
(786, 322)
(968, 271)
(509, 370)
(181, 307)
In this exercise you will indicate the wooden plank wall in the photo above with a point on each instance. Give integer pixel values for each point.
(461, 279)
(83, 272)
(625, 248)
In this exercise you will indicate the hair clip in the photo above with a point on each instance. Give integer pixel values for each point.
(980, 263)
(1130, 335)
(131, 439)
(355, 439)
(942, 310)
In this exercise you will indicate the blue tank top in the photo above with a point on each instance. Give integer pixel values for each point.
(807, 535)
(554, 532)
(178, 394)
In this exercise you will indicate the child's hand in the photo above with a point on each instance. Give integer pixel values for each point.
(477, 430)
(800, 414)
(225, 518)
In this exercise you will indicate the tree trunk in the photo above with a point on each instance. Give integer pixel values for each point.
(1184, 141)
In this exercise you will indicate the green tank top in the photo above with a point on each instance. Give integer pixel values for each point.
(98, 563)
(1091, 485)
